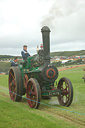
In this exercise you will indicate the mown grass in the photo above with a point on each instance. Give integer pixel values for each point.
(4, 80)
(19, 115)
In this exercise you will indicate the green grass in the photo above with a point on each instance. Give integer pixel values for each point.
(19, 115)
(4, 80)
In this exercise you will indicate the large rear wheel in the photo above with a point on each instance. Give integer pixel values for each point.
(33, 93)
(66, 96)
(15, 84)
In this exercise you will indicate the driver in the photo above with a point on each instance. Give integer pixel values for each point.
(25, 53)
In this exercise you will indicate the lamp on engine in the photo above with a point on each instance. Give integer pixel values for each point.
(37, 78)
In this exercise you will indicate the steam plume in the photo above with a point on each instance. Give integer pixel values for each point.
(60, 9)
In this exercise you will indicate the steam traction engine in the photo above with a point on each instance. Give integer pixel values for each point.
(37, 78)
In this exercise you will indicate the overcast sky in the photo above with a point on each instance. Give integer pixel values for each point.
(21, 22)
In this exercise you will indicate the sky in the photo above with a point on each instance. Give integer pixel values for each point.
(21, 22)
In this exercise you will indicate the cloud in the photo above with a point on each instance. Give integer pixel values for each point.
(16, 51)
(21, 22)
(68, 46)
(61, 9)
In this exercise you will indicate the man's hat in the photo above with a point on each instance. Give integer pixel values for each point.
(25, 46)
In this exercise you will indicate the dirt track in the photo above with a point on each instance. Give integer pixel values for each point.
(70, 67)
(67, 118)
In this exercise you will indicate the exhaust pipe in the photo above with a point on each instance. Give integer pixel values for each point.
(46, 44)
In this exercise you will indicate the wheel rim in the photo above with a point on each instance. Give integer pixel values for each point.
(66, 96)
(12, 85)
(32, 94)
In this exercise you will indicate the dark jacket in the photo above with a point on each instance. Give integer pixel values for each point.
(25, 54)
(14, 63)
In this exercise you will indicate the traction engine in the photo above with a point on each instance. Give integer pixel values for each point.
(36, 77)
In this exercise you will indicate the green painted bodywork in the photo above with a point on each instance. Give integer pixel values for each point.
(33, 72)
(50, 93)
(27, 68)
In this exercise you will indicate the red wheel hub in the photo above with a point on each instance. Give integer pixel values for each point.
(50, 73)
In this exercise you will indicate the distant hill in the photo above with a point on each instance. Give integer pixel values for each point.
(4, 66)
(61, 53)
(68, 53)
(4, 57)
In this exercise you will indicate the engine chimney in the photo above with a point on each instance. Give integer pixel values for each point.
(46, 43)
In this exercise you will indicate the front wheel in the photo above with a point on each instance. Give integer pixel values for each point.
(33, 93)
(66, 96)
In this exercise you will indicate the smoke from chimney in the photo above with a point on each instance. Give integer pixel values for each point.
(60, 9)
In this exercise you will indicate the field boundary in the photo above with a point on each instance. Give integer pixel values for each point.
(70, 67)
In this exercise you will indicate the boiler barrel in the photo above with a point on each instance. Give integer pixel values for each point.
(46, 43)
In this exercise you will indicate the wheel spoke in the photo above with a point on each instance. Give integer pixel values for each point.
(12, 94)
(12, 75)
(14, 90)
(34, 99)
(66, 86)
(33, 93)
(64, 89)
(61, 97)
(10, 84)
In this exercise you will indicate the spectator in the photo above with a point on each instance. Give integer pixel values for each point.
(14, 63)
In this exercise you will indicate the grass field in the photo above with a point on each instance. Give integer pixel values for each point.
(19, 115)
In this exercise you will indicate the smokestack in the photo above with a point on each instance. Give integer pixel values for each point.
(46, 43)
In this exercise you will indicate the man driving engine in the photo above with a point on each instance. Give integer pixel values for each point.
(25, 53)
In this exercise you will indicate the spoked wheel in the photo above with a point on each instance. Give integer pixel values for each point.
(15, 84)
(33, 93)
(66, 96)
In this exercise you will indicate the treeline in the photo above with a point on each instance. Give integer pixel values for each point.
(5, 57)
(61, 53)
